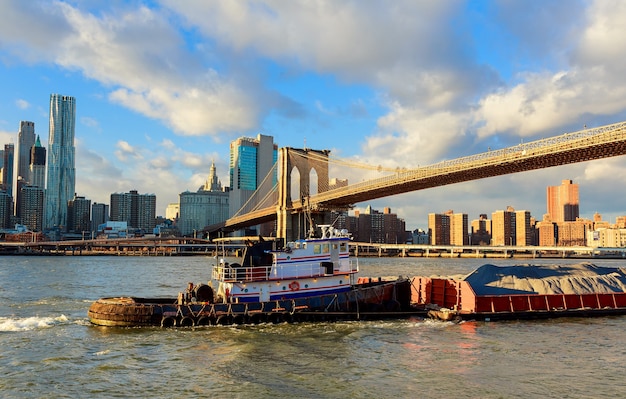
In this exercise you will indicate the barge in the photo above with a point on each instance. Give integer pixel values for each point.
(309, 279)
(524, 292)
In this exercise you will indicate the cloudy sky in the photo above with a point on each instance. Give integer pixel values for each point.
(163, 86)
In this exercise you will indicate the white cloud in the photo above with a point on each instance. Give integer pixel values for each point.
(90, 122)
(141, 57)
(22, 104)
(125, 150)
(7, 137)
(407, 49)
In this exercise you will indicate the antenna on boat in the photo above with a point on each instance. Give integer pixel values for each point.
(307, 212)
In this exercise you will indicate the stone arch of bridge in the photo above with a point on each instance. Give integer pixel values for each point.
(307, 168)
(303, 165)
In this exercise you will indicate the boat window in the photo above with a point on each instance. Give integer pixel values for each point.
(326, 248)
(344, 246)
(317, 249)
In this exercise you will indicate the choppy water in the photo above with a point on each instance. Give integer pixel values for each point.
(48, 348)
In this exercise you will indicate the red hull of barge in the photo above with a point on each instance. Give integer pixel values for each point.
(450, 299)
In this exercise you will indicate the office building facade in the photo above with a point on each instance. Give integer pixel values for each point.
(6, 210)
(37, 165)
(503, 227)
(251, 159)
(207, 206)
(31, 207)
(458, 229)
(524, 229)
(79, 215)
(33, 186)
(563, 202)
(25, 142)
(373, 226)
(61, 180)
(439, 228)
(99, 215)
(138, 210)
(481, 230)
(7, 168)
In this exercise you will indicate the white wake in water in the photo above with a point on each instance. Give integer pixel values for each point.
(30, 323)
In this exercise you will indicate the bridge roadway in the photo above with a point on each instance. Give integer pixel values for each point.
(585, 145)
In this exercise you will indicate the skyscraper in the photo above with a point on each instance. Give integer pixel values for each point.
(61, 179)
(37, 166)
(250, 162)
(563, 202)
(29, 204)
(25, 141)
(7, 169)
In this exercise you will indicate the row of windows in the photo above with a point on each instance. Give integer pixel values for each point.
(325, 248)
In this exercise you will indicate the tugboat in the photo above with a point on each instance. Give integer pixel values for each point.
(308, 279)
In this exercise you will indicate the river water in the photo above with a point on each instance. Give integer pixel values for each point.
(48, 349)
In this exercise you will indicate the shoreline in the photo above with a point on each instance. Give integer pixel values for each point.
(441, 255)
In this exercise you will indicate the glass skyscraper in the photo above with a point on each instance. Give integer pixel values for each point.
(61, 180)
(250, 161)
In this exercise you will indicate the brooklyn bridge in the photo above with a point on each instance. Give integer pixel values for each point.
(300, 179)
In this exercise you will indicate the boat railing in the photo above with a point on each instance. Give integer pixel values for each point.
(228, 274)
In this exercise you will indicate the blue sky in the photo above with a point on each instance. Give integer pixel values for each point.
(162, 87)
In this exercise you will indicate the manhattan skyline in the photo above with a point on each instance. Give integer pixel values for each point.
(164, 87)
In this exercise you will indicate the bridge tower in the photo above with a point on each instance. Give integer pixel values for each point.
(305, 161)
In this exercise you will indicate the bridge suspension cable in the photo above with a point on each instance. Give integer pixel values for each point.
(264, 196)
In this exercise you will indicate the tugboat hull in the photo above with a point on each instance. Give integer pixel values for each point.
(371, 300)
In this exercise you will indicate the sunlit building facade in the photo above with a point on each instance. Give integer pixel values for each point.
(481, 230)
(563, 202)
(503, 227)
(439, 228)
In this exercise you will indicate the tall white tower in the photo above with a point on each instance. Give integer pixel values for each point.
(61, 180)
